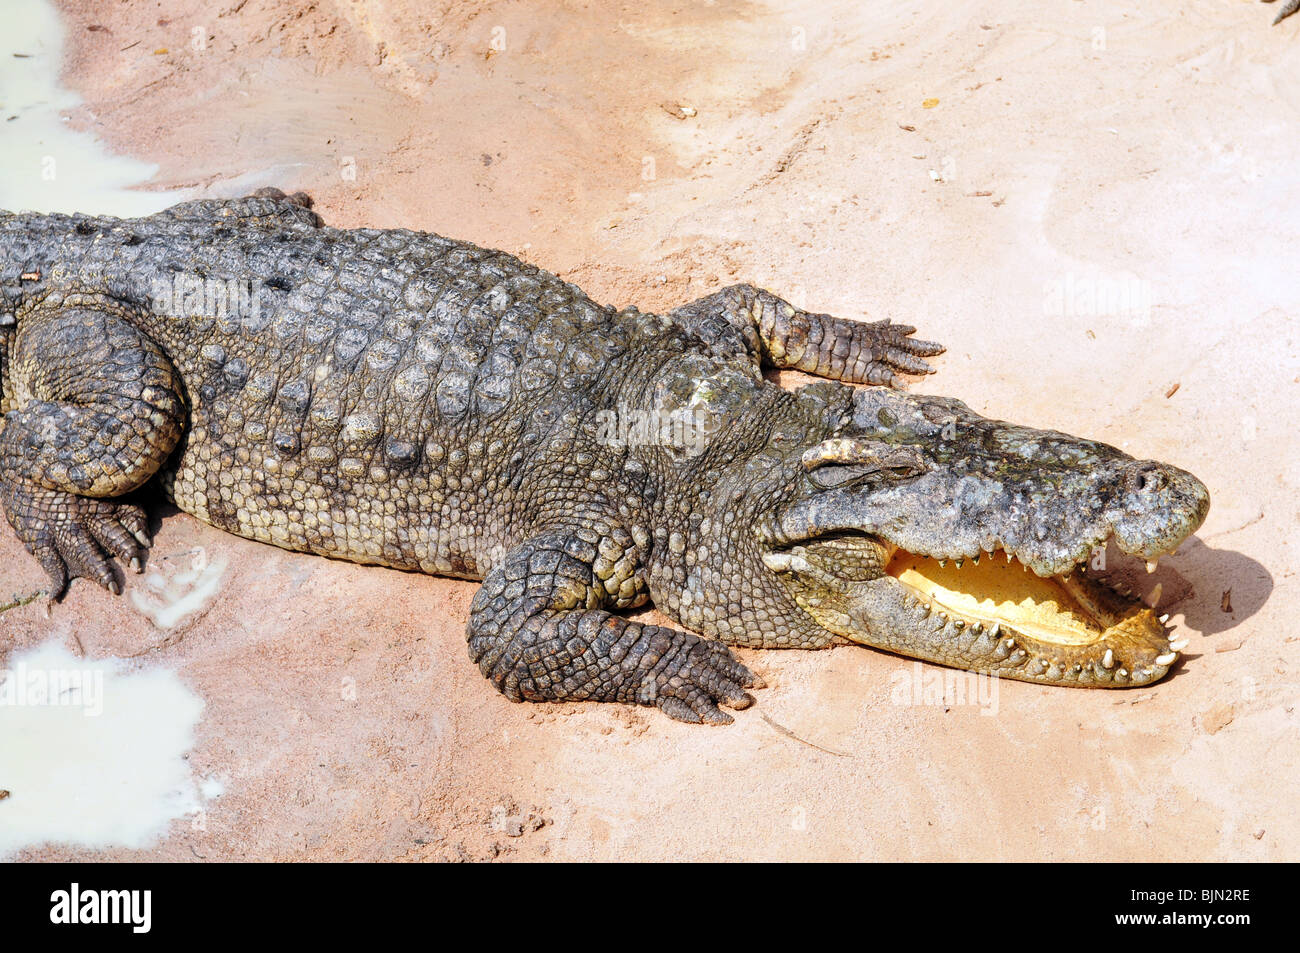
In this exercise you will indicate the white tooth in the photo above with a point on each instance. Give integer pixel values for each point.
(993, 632)
(1108, 659)
(977, 628)
(1148, 672)
(1123, 673)
(942, 563)
(975, 560)
(1164, 618)
(1166, 659)
(1156, 593)
(1178, 646)
(1008, 557)
(958, 563)
(1011, 643)
(1153, 564)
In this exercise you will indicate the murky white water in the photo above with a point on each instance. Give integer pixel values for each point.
(46, 166)
(93, 751)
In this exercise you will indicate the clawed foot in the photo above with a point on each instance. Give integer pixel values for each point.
(893, 352)
(708, 676)
(851, 351)
(74, 536)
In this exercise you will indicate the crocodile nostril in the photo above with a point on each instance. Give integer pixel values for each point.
(1146, 480)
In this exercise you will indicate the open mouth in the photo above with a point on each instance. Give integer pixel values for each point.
(989, 614)
(1068, 623)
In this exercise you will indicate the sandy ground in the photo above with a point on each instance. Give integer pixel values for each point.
(653, 152)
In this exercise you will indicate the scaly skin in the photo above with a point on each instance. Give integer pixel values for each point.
(398, 398)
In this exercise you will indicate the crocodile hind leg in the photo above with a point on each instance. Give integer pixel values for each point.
(93, 408)
(784, 336)
(540, 629)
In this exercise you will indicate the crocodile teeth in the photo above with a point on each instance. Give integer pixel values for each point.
(975, 560)
(1108, 660)
(976, 627)
(1153, 564)
(1164, 618)
(1008, 557)
(1178, 646)
(942, 563)
(958, 563)
(1123, 673)
(1166, 659)
(993, 632)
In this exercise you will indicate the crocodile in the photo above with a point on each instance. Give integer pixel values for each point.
(394, 397)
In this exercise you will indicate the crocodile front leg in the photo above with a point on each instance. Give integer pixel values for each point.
(93, 409)
(784, 336)
(540, 630)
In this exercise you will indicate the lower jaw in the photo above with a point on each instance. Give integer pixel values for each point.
(1073, 632)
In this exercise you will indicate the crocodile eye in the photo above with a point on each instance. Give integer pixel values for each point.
(828, 478)
(843, 460)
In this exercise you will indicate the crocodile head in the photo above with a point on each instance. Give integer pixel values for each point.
(920, 527)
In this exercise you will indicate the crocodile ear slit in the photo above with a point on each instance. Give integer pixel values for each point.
(872, 455)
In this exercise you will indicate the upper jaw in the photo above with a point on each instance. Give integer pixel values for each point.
(1051, 524)
(1046, 562)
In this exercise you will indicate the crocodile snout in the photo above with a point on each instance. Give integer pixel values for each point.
(1160, 506)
